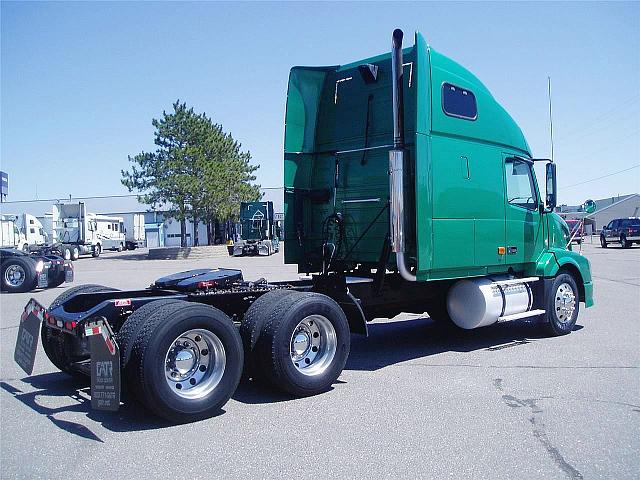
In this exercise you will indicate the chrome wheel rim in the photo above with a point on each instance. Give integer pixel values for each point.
(565, 303)
(313, 345)
(14, 275)
(195, 363)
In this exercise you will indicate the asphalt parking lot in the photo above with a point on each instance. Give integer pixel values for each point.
(414, 400)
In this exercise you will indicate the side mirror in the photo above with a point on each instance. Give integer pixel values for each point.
(589, 206)
(551, 187)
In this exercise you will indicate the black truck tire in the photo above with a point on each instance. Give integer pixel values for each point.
(96, 251)
(624, 242)
(187, 361)
(563, 304)
(127, 335)
(18, 274)
(253, 322)
(57, 280)
(304, 345)
(87, 288)
(57, 345)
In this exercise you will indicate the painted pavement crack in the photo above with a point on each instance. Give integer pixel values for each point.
(538, 428)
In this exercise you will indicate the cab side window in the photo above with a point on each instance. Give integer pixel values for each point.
(521, 190)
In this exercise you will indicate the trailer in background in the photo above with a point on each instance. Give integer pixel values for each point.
(134, 231)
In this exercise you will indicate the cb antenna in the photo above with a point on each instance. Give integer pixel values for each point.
(550, 118)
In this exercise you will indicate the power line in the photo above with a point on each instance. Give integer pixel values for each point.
(98, 197)
(595, 122)
(603, 176)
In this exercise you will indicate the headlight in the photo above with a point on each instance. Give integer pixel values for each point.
(39, 266)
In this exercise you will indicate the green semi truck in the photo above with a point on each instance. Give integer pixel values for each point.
(259, 234)
(408, 188)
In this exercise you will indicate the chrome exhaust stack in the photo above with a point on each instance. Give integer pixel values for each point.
(396, 160)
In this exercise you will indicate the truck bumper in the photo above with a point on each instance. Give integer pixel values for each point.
(588, 294)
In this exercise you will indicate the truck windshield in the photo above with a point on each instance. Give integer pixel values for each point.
(70, 222)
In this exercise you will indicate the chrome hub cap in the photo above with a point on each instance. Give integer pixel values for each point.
(195, 363)
(14, 275)
(565, 303)
(301, 343)
(313, 345)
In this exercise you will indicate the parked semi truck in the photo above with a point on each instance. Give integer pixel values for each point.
(10, 235)
(33, 232)
(24, 232)
(408, 188)
(79, 232)
(258, 235)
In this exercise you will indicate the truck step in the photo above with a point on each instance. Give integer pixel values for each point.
(513, 281)
(517, 316)
(352, 280)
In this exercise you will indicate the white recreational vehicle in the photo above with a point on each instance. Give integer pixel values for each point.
(79, 232)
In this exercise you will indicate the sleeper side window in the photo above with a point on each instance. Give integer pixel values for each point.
(459, 102)
(521, 190)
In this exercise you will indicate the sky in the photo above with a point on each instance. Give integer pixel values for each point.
(81, 82)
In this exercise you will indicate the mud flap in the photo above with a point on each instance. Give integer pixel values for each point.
(28, 334)
(105, 366)
(43, 278)
(68, 273)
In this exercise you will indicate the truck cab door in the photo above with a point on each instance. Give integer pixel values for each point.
(614, 232)
(523, 222)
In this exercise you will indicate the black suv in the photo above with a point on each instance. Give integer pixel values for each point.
(625, 231)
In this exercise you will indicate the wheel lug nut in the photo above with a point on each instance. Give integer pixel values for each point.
(198, 338)
(203, 368)
(185, 343)
(192, 381)
(204, 352)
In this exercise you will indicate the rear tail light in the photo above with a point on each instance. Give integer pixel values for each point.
(207, 284)
(70, 324)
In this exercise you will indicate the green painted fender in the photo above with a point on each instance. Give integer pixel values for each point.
(555, 259)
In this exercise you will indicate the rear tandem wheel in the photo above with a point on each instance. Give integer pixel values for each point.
(185, 359)
(304, 344)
